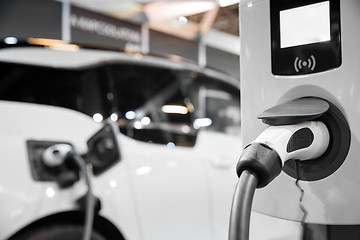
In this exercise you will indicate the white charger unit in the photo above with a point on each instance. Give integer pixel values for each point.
(296, 55)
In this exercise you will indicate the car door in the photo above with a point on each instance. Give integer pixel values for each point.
(219, 143)
(168, 174)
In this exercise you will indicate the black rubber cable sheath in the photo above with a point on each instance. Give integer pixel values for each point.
(241, 206)
(90, 201)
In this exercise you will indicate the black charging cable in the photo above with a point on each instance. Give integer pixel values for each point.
(90, 200)
(257, 167)
(241, 206)
(262, 161)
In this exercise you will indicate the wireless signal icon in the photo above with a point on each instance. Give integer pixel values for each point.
(310, 63)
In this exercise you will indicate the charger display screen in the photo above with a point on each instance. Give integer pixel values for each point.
(305, 25)
(305, 36)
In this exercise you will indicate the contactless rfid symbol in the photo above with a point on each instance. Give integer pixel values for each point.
(309, 63)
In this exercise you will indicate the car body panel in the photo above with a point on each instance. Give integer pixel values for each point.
(154, 192)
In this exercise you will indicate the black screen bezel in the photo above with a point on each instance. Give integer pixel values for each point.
(327, 55)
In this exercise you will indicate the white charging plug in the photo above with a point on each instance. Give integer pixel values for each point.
(56, 154)
(303, 141)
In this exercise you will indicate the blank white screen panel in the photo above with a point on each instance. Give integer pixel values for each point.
(305, 25)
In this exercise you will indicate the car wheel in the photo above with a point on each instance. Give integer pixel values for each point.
(56, 232)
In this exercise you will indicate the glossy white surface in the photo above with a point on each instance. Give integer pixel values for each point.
(177, 188)
(154, 192)
(278, 137)
(331, 200)
(24, 200)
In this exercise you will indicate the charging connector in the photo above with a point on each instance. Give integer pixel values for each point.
(55, 156)
(263, 159)
(303, 141)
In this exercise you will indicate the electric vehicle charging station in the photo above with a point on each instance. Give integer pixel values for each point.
(299, 62)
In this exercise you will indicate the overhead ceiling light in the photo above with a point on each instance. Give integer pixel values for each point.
(176, 109)
(170, 144)
(225, 3)
(130, 115)
(182, 20)
(10, 40)
(138, 125)
(114, 117)
(202, 122)
(98, 117)
(164, 11)
(54, 44)
(145, 121)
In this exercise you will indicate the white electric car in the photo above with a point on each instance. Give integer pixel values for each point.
(178, 139)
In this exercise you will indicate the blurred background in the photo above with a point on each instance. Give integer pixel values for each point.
(206, 32)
